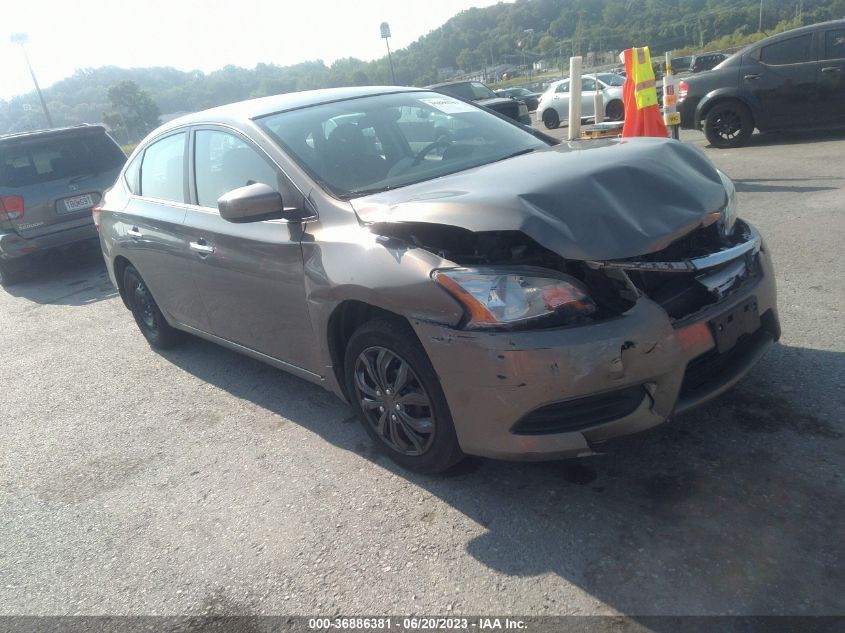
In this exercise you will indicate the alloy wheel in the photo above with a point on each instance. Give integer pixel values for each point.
(394, 402)
(728, 124)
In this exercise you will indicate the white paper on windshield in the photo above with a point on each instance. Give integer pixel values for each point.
(449, 105)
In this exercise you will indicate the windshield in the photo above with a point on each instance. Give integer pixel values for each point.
(371, 144)
(611, 79)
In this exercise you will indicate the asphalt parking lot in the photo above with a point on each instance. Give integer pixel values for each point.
(197, 481)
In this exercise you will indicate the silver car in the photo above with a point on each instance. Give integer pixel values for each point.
(554, 102)
(488, 292)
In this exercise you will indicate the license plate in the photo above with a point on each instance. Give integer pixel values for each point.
(78, 203)
(727, 328)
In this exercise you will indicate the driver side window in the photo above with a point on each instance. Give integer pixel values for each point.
(223, 162)
(563, 88)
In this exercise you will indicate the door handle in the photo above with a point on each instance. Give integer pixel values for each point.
(751, 77)
(832, 69)
(202, 247)
(134, 232)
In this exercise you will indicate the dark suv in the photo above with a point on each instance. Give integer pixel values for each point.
(49, 181)
(793, 79)
(484, 96)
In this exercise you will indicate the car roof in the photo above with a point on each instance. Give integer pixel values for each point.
(72, 130)
(557, 82)
(263, 106)
(785, 35)
(803, 29)
(454, 83)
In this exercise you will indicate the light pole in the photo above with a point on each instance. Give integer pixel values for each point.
(22, 39)
(385, 34)
(531, 44)
(760, 23)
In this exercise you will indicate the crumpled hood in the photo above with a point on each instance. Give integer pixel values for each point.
(585, 200)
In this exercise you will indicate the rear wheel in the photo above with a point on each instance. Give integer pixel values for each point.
(551, 119)
(397, 396)
(615, 110)
(147, 315)
(728, 124)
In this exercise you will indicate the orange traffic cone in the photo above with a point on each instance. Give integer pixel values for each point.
(641, 120)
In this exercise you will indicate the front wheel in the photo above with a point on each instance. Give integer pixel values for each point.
(396, 394)
(148, 316)
(728, 124)
(551, 119)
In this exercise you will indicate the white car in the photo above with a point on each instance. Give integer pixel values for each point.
(554, 103)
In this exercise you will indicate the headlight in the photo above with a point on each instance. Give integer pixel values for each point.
(496, 297)
(728, 217)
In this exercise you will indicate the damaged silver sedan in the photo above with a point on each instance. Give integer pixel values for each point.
(468, 285)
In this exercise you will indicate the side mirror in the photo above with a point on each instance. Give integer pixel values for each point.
(252, 203)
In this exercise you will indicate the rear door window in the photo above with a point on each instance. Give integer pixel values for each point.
(224, 162)
(795, 50)
(834, 44)
(43, 160)
(163, 169)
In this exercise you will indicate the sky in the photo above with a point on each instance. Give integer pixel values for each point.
(203, 34)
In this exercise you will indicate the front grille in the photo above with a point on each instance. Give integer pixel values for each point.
(581, 413)
(680, 293)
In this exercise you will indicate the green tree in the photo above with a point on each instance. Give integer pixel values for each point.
(133, 114)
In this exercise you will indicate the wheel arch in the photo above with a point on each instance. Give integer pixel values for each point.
(716, 97)
(548, 109)
(119, 264)
(347, 317)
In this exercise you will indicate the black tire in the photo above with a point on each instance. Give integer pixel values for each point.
(728, 124)
(10, 273)
(551, 119)
(419, 437)
(615, 110)
(149, 318)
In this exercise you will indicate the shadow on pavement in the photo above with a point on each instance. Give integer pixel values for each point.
(795, 137)
(73, 276)
(764, 185)
(733, 508)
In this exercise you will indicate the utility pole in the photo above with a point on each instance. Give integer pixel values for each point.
(579, 32)
(531, 44)
(385, 34)
(760, 23)
(22, 39)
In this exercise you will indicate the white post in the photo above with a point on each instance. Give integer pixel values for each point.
(574, 98)
(598, 104)
(671, 117)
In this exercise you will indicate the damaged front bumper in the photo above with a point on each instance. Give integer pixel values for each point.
(544, 394)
